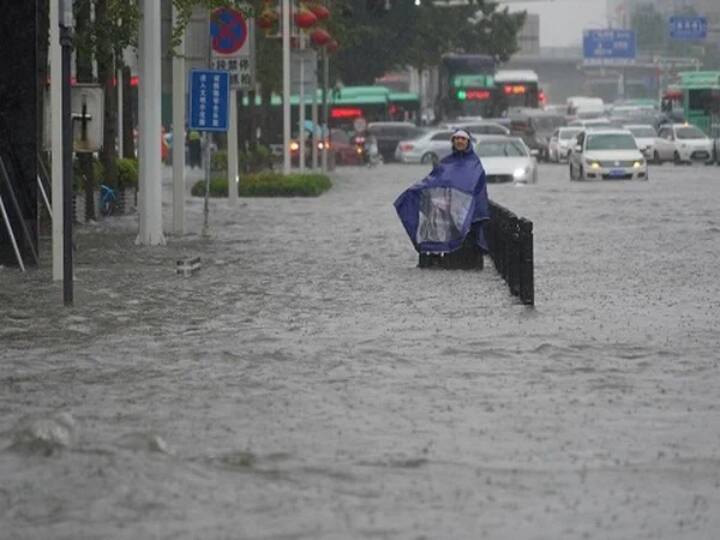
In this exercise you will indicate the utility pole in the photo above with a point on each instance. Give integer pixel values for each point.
(66, 25)
(178, 144)
(151, 232)
(286, 84)
(56, 112)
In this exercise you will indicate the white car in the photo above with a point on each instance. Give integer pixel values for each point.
(427, 148)
(560, 143)
(682, 143)
(591, 123)
(607, 154)
(645, 136)
(506, 159)
(483, 127)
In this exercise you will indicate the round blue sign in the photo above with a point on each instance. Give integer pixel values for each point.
(228, 30)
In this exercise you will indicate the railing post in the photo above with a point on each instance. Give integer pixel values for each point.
(527, 287)
(510, 241)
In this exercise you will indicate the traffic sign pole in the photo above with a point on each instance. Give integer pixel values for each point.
(232, 140)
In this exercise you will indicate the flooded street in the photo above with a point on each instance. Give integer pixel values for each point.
(310, 382)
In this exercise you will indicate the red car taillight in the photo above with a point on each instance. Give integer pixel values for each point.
(406, 147)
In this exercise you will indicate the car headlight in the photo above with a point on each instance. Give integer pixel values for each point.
(592, 163)
(638, 164)
(520, 173)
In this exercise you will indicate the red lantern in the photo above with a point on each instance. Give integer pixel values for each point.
(305, 18)
(332, 46)
(267, 19)
(321, 12)
(320, 37)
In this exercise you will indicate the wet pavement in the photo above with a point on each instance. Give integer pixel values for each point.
(310, 382)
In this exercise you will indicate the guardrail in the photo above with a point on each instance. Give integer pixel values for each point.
(510, 241)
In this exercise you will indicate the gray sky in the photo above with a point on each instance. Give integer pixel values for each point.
(562, 21)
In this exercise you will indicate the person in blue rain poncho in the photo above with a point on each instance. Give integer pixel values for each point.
(449, 204)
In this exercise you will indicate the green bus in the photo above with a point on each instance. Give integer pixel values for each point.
(701, 98)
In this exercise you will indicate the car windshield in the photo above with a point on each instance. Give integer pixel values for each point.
(690, 132)
(642, 131)
(611, 141)
(501, 149)
(566, 134)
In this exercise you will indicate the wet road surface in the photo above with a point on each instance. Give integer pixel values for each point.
(312, 383)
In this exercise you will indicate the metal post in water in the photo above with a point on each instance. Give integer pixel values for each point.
(326, 128)
(66, 21)
(286, 84)
(206, 209)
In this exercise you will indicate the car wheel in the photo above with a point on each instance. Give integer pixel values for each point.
(428, 157)
(676, 158)
(656, 158)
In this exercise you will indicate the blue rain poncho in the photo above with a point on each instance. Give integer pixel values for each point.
(442, 209)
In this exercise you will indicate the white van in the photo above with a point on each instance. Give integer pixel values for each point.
(585, 107)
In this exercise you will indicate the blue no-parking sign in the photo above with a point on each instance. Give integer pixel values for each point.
(688, 28)
(209, 100)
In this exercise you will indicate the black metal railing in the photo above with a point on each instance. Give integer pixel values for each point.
(510, 241)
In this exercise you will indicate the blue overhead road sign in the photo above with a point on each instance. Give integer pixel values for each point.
(688, 28)
(609, 46)
(209, 100)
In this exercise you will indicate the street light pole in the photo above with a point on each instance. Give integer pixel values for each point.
(66, 29)
(286, 84)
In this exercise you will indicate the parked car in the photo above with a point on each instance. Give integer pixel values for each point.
(591, 123)
(561, 142)
(389, 134)
(607, 154)
(682, 143)
(645, 136)
(506, 159)
(426, 148)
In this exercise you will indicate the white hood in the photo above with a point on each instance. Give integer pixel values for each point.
(613, 155)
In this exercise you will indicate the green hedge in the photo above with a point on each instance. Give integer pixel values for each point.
(268, 184)
(127, 173)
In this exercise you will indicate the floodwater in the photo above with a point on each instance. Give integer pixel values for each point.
(311, 383)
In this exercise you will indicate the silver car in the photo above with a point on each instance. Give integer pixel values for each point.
(645, 136)
(427, 148)
(560, 143)
(506, 159)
